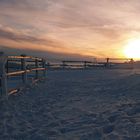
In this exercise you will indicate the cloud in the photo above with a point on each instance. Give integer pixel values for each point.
(11, 34)
(75, 25)
(26, 4)
(50, 56)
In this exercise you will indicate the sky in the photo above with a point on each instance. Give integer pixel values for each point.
(69, 28)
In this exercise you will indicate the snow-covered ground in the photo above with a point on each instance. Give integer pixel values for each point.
(99, 104)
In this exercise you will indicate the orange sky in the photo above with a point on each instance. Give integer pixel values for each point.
(83, 27)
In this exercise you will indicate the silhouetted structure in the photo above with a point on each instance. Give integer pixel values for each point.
(19, 64)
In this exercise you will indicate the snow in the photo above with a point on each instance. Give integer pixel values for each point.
(99, 104)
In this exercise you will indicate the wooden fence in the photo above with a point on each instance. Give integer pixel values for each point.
(107, 63)
(125, 63)
(22, 68)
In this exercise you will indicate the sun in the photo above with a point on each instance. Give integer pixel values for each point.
(132, 49)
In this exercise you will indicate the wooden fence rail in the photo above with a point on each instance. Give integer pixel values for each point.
(107, 63)
(23, 70)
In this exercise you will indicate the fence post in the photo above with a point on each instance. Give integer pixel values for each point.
(48, 64)
(63, 64)
(7, 66)
(44, 66)
(36, 66)
(131, 63)
(85, 64)
(3, 76)
(107, 62)
(23, 67)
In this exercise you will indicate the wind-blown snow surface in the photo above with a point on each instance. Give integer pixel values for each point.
(75, 105)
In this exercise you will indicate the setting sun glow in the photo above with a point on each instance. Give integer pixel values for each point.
(132, 49)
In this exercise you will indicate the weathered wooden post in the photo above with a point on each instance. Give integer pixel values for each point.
(48, 65)
(23, 67)
(85, 64)
(37, 66)
(131, 63)
(7, 66)
(44, 66)
(63, 64)
(3, 75)
(107, 62)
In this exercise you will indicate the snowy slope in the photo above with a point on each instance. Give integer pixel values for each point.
(98, 104)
